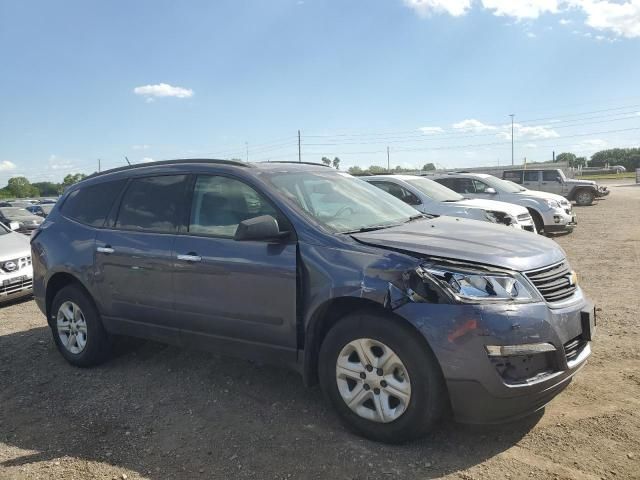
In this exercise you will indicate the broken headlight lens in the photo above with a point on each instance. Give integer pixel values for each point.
(473, 286)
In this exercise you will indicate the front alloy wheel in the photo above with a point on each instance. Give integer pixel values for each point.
(372, 380)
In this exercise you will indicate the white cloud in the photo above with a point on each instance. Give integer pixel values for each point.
(530, 145)
(431, 130)
(6, 165)
(473, 125)
(531, 35)
(526, 132)
(521, 8)
(564, 21)
(147, 160)
(141, 147)
(590, 146)
(622, 18)
(425, 8)
(57, 163)
(162, 90)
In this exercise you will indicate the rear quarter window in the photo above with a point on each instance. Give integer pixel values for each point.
(91, 204)
(515, 177)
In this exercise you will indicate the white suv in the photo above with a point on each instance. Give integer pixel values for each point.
(551, 213)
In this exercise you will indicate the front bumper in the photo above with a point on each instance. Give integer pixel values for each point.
(602, 192)
(559, 220)
(16, 285)
(485, 389)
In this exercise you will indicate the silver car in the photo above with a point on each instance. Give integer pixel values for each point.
(432, 198)
(16, 273)
(551, 213)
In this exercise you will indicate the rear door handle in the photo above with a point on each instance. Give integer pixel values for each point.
(190, 257)
(106, 250)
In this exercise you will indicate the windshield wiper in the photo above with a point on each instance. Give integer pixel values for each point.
(371, 228)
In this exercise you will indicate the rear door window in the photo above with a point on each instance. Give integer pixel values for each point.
(153, 204)
(531, 176)
(515, 177)
(91, 204)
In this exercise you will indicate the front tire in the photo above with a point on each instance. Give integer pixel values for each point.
(584, 197)
(77, 328)
(381, 378)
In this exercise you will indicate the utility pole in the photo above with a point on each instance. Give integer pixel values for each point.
(98, 165)
(512, 115)
(299, 149)
(246, 144)
(388, 162)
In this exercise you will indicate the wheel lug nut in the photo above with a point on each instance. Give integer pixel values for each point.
(367, 387)
(363, 375)
(376, 391)
(379, 372)
(383, 384)
(369, 368)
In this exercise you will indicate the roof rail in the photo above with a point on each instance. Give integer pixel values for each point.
(171, 162)
(296, 162)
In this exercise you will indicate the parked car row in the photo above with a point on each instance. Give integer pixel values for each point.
(399, 315)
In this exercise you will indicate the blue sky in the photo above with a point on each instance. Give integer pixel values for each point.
(435, 80)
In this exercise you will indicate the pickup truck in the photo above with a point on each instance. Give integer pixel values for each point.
(583, 192)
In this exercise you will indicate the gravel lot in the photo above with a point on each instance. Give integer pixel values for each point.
(160, 412)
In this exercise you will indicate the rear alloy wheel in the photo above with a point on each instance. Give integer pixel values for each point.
(77, 328)
(584, 197)
(381, 377)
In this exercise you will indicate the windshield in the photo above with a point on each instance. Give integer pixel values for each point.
(519, 187)
(502, 185)
(434, 190)
(14, 211)
(341, 202)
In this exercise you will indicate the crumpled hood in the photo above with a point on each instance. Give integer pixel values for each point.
(493, 205)
(544, 195)
(14, 245)
(468, 240)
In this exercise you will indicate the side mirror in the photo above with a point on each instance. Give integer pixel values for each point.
(14, 226)
(264, 227)
(491, 190)
(558, 179)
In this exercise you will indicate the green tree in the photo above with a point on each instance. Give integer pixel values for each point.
(629, 158)
(566, 157)
(48, 189)
(376, 170)
(336, 163)
(326, 161)
(20, 187)
(72, 178)
(355, 170)
(428, 166)
(579, 162)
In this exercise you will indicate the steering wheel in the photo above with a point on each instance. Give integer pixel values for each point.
(343, 210)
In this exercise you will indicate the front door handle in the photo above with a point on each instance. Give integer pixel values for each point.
(106, 250)
(190, 257)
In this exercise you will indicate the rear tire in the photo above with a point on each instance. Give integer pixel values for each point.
(405, 398)
(77, 328)
(584, 197)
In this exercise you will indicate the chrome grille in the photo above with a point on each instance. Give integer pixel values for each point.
(16, 287)
(21, 263)
(554, 282)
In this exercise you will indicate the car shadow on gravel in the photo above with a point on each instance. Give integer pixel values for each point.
(166, 412)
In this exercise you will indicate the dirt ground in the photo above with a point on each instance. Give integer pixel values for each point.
(159, 412)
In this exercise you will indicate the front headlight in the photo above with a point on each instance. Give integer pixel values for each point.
(552, 204)
(499, 217)
(480, 287)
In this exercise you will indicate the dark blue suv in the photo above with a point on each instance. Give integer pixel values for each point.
(399, 316)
